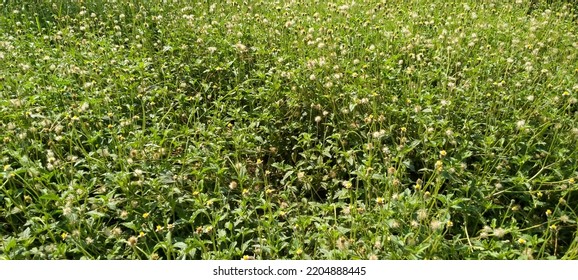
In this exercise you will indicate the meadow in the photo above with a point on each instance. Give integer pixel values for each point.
(291, 129)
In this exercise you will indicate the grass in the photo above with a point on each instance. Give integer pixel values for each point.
(288, 130)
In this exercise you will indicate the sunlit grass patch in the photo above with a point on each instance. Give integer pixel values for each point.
(297, 130)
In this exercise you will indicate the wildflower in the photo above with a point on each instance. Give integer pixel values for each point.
(66, 211)
(299, 251)
(564, 218)
(548, 212)
(571, 181)
(438, 165)
(317, 119)
(141, 234)
(240, 47)
(159, 228)
(247, 257)
(123, 214)
(449, 223)
(342, 243)
(199, 230)
(380, 200)
(64, 235)
(553, 227)
(132, 241)
(499, 232)
(522, 241)
(443, 153)
(146, 215)
(520, 124)
(435, 225)
(403, 129)
(7, 167)
(421, 214)
(372, 257)
(347, 184)
(426, 195)
(245, 191)
(539, 194)
(233, 185)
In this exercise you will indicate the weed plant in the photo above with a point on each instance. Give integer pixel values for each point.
(288, 130)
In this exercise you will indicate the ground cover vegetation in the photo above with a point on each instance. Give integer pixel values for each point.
(288, 129)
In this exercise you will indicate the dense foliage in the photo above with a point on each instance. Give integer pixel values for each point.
(288, 130)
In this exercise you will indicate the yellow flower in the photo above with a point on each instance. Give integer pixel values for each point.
(141, 234)
(565, 93)
(553, 227)
(522, 241)
(403, 129)
(443, 153)
(449, 224)
(380, 200)
(571, 181)
(146, 215)
(259, 161)
(548, 212)
(159, 228)
(299, 251)
(64, 235)
(7, 167)
(245, 191)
